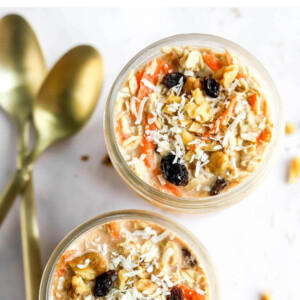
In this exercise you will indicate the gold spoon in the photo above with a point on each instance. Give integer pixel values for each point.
(22, 69)
(64, 103)
(62, 107)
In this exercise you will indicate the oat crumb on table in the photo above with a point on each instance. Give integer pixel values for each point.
(289, 128)
(294, 169)
(265, 296)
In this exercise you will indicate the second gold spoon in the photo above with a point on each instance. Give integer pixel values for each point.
(64, 104)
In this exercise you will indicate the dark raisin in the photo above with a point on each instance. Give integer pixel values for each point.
(172, 79)
(218, 187)
(104, 283)
(211, 87)
(174, 173)
(176, 294)
(188, 257)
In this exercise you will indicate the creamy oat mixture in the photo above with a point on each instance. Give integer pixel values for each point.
(193, 122)
(129, 259)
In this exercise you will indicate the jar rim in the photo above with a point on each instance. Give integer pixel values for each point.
(192, 204)
(183, 233)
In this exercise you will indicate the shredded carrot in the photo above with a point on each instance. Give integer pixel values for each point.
(253, 101)
(115, 229)
(212, 61)
(169, 188)
(227, 113)
(143, 90)
(120, 131)
(148, 148)
(240, 75)
(61, 265)
(264, 137)
(190, 294)
(139, 77)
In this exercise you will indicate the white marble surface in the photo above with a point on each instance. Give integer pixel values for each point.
(255, 244)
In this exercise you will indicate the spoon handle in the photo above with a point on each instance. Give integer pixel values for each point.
(12, 190)
(30, 243)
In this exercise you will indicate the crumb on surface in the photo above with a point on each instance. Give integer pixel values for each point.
(237, 12)
(85, 157)
(106, 160)
(294, 169)
(265, 296)
(289, 128)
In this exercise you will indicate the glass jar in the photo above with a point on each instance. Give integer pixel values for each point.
(201, 253)
(203, 204)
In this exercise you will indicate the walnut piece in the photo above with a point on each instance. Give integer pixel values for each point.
(294, 169)
(289, 128)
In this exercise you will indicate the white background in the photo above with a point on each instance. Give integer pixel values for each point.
(256, 243)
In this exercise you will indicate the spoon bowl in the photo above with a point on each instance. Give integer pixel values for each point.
(22, 68)
(67, 97)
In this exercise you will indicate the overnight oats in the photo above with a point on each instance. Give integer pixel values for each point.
(192, 122)
(129, 259)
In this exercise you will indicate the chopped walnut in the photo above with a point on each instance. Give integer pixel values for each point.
(289, 128)
(265, 296)
(294, 169)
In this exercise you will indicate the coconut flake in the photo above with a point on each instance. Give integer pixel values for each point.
(141, 110)
(83, 266)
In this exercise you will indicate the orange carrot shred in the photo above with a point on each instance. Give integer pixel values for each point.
(190, 294)
(212, 61)
(169, 188)
(264, 137)
(226, 115)
(115, 229)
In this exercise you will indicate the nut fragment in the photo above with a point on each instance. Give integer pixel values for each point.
(218, 162)
(172, 98)
(191, 84)
(289, 128)
(192, 61)
(122, 278)
(229, 75)
(294, 169)
(80, 287)
(89, 265)
(204, 111)
(187, 137)
(146, 286)
(265, 296)
(198, 96)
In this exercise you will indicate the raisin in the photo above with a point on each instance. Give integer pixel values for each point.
(211, 87)
(104, 283)
(188, 258)
(218, 187)
(176, 294)
(174, 173)
(172, 79)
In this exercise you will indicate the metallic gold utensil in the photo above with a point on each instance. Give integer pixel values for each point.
(22, 69)
(65, 102)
